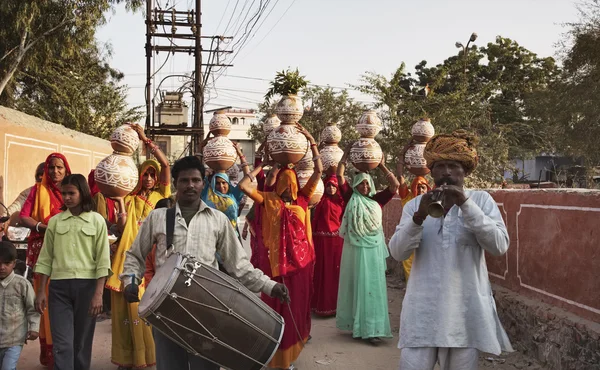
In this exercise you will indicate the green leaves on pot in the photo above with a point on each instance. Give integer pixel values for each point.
(286, 82)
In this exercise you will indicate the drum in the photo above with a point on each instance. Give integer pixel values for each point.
(211, 315)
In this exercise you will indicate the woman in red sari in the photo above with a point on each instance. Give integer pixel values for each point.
(288, 238)
(328, 248)
(43, 202)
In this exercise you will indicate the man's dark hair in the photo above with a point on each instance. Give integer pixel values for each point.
(164, 203)
(80, 182)
(8, 252)
(187, 163)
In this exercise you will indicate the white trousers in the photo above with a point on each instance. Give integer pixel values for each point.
(425, 358)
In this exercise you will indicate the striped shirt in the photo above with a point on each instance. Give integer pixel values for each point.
(18, 314)
(209, 232)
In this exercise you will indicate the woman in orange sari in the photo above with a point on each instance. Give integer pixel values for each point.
(132, 340)
(287, 237)
(43, 202)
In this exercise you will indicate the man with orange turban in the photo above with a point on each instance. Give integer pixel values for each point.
(419, 186)
(449, 314)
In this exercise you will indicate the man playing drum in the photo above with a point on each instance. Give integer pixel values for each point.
(448, 313)
(200, 231)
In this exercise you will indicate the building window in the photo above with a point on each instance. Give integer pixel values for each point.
(235, 120)
(243, 121)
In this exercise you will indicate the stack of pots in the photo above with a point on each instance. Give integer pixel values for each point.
(271, 123)
(331, 154)
(366, 153)
(117, 174)
(219, 153)
(305, 169)
(286, 143)
(422, 132)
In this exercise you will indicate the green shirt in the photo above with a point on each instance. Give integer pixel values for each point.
(75, 247)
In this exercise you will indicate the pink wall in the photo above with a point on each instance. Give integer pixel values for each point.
(554, 253)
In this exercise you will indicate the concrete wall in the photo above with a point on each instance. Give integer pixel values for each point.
(26, 141)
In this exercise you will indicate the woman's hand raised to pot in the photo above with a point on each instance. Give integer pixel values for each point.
(140, 131)
(305, 132)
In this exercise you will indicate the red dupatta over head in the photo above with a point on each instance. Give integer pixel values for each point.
(329, 211)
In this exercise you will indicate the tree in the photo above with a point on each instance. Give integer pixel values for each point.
(47, 45)
(492, 99)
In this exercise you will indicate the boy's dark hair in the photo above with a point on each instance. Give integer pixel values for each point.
(8, 252)
(80, 182)
(190, 162)
(164, 203)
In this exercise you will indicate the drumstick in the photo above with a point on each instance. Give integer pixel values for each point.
(292, 316)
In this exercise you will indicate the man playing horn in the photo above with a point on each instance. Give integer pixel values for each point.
(449, 314)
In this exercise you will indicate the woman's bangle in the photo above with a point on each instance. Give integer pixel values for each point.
(313, 144)
(124, 214)
(148, 141)
(316, 158)
(244, 164)
(390, 174)
(252, 178)
(37, 227)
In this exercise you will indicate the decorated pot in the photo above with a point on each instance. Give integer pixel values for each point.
(422, 131)
(330, 157)
(289, 109)
(414, 160)
(270, 123)
(303, 176)
(306, 163)
(124, 139)
(219, 154)
(331, 134)
(365, 154)
(233, 173)
(369, 124)
(287, 145)
(220, 124)
(116, 175)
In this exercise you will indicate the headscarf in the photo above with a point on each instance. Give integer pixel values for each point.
(329, 211)
(226, 203)
(107, 210)
(48, 199)
(460, 147)
(415, 184)
(148, 163)
(363, 215)
(287, 179)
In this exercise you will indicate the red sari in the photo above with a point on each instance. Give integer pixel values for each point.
(328, 251)
(43, 202)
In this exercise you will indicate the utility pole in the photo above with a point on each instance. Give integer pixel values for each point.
(189, 20)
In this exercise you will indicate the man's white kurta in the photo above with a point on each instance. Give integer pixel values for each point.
(448, 301)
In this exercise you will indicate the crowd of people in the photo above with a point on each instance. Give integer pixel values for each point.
(329, 260)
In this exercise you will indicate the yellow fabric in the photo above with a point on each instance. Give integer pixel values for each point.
(283, 358)
(42, 207)
(45, 318)
(272, 216)
(101, 208)
(135, 344)
(287, 180)
(460, 147)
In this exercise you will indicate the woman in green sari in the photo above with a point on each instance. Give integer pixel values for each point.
(362, 306)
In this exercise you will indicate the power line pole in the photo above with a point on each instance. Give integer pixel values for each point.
(190, 20)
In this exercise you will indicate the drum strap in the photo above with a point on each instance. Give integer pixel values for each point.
(170, 227)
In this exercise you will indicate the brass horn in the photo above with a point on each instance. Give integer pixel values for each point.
(435, 209)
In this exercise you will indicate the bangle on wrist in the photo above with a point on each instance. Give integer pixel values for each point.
(37, 227)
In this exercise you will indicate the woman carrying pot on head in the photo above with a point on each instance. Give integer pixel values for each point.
(362, 305)
(44, 201)
(287, 236)
(327, 219)
(220, 194)
(132, 341)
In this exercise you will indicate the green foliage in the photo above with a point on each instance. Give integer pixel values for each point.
(286, 82)
(51, 64)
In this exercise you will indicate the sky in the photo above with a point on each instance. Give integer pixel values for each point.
(333, 42)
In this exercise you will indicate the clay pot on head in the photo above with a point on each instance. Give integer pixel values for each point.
(306, 163)
(369, 124)
(124, 139)
(287, 145)
(116, 175)
(303, 176)
(271, 123)
(330, 157)
(220, 124)
(414, 160)
(366, 154)
(331, 134)
(422, 131)
(289, 109)
(219, 154)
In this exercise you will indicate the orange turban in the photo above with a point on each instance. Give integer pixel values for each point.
(460, 147)
(287, 179)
